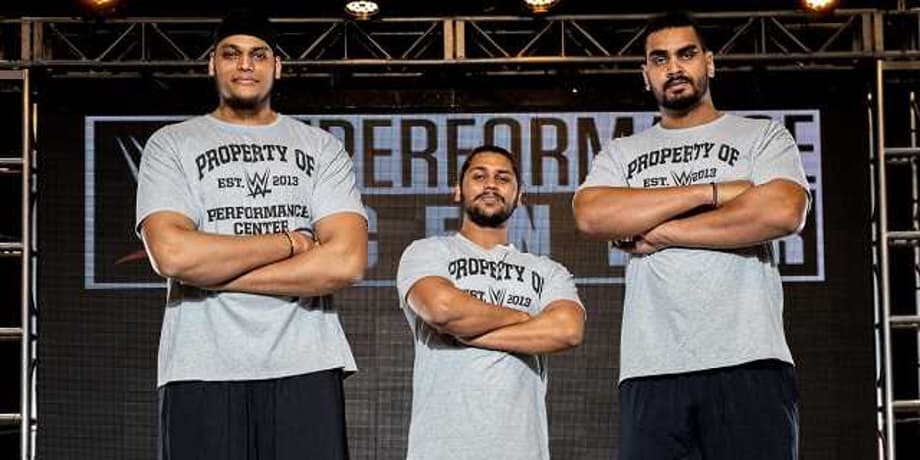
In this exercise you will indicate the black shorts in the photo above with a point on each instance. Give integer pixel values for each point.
(298, 417)
(742, 412)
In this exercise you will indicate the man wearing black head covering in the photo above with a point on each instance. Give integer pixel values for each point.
(232, 207)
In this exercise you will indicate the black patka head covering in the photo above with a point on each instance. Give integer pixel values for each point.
(246, 22)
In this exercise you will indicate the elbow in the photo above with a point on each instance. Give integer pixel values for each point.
(586, 226)
(349, 271)
(168, 260)
(573, 335)
(596, 224)
(569, 326)
(439, 314)
(788, 220)
(587, 221)
(789, 215)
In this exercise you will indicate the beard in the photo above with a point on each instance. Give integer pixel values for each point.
(687, 99)
(244, 104)
(482, 219)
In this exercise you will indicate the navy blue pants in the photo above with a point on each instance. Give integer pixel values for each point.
(298, 417)
(745, 412)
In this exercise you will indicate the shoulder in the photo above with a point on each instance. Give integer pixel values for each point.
(431, 246)
(544, 263)
(175, 131)
(633, 141)
(319, 141)
(746, 124)
(305, 130)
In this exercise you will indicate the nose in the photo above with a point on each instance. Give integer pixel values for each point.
(244, 62)
(674, 68)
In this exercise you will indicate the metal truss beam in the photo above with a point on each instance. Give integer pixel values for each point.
(589, 43)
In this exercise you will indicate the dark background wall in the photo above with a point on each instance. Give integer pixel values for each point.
(98, 347)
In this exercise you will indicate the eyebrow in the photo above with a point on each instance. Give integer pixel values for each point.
(681, 50)
(237, 48)
(498, 171)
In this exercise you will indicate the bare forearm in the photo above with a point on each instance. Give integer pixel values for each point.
(546, 333)
(204, 259)
(613, 213)
(761, 214)
(467, 316)
(320, 271)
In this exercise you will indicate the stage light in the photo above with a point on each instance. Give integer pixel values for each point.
(362, 10)
(100, 4)
(819, 6)
(540, 6)
(101, 9)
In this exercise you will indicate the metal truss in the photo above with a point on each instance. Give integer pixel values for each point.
(591, 43)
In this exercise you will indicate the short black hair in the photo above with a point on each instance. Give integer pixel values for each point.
(246, 21)
(490, 149)
(672, 20)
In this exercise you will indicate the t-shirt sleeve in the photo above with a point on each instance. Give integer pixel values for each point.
(560, 286)
(161, 182)
(777, 157)
(335, 189)
(421, 259)
(606, 170)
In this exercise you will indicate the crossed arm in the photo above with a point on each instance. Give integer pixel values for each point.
(451, 311)
(259, 264)
(744, 215)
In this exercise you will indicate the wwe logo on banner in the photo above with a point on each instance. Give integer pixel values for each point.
(131, 152)
(258, 184)
(497, 296)
(132, 156)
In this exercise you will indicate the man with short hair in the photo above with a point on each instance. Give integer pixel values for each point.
(483, 314)
(695, 200)
(254, 218)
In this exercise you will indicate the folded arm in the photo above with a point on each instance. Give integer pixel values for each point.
(614, 213)
(178, 250)
(451, 311)
(337, 261)
(763, 213)
(558, 327)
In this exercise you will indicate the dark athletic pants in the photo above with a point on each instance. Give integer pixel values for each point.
(746, 412)
(298, 417)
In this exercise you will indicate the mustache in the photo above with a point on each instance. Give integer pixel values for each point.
(677, 80)
(483, 194)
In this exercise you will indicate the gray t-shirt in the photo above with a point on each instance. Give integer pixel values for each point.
(244, 180)
(470, 403)
(694, 309)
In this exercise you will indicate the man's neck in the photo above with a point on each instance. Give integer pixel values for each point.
(485, 237)
(700, 114)
(262, 115)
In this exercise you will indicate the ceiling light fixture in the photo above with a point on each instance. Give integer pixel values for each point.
(362, 10)
(540, 6)
(819, 6)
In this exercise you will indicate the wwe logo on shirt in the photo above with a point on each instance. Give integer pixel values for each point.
(681, 179)
(496, 296)
(258, 184)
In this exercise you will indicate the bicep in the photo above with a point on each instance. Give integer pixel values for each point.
(344, 228)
